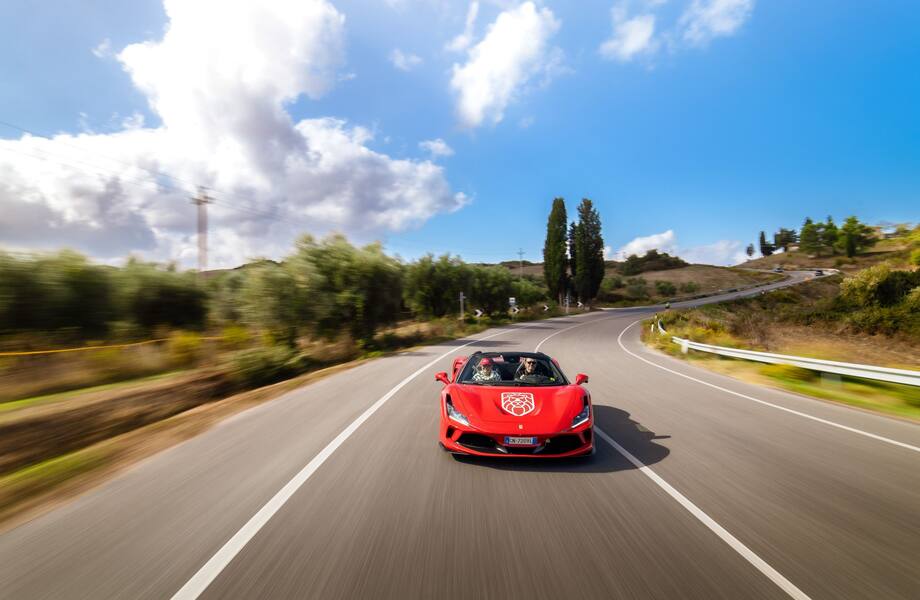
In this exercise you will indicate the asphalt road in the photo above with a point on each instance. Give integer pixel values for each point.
(699, 493)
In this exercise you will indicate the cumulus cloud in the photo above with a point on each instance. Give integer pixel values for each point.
(436, 147)
(514, 52)
(631, 36)
(219, 89)
(723, 252)
(404, 61)
(707, 19)
(664, 242)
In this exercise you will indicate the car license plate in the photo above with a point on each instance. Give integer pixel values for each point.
(520, 441)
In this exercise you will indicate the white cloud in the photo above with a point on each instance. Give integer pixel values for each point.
(514, 51)
(723, 252)
(103, 49)
(637, 30)
(631, 37)
(219, 88)
(663, 242)
(462, 41)
(707, 19)
(404, 61)
(436, 147)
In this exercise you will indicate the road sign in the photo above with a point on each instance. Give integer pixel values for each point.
(545, 308)
(515, 310)
(478, 313)
(580, 304)
(512, 301)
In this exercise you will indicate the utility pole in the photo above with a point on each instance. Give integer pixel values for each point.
(462, 298)
(202, 200)
(521, 262)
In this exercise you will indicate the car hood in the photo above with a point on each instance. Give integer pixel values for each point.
(509, 408)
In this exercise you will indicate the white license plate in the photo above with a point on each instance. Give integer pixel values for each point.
(520, 441)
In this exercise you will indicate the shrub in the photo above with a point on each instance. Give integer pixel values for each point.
(915, 257)
(235, 336)
(665, 288)
(262, 366)
(184, 348)
(636, 288)
(690, 287)
(878, 286)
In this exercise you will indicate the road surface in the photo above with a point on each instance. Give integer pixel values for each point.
(339, 490)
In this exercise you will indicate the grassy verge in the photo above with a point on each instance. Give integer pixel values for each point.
(892, 399)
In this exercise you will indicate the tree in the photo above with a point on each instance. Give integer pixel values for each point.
(854, 237)
(270, 301)
(829, 234)
(750, 250)
(785, 238)
(573, 229)
(554, 250)
(589, 252)
(810, 238)
(765, 248)
(357, 288)
(433, 286)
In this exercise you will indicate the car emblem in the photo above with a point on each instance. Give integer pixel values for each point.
(517, 403)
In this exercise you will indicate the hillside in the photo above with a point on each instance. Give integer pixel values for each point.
(894, 250)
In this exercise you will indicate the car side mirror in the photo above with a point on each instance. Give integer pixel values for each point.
(581, 378)
(442, 377)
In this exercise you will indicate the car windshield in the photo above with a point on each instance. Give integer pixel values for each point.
(511, 369)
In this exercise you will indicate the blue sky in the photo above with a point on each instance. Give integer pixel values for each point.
(700, 122)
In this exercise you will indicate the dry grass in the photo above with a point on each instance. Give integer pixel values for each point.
(37, 488)
(711, 279)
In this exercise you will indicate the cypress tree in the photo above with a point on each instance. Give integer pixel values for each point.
(589, 252)
(554, 256)
(765, 248)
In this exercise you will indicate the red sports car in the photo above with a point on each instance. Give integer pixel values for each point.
(514, 404)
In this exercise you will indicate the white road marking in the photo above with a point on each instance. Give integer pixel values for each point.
(537, 349)
(764, 402)
(200, 581)
(733, 542)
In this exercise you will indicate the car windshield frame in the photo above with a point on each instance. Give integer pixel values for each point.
(465, 377)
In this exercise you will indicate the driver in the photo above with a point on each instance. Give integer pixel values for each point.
(528, 372)
(485, 372)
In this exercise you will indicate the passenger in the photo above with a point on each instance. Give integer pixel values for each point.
(485, 372)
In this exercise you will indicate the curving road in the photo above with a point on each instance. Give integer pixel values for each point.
(702, 487)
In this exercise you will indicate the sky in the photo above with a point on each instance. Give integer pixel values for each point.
(449, 126)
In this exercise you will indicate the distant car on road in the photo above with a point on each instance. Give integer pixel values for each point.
(778, 270)
(514, 404)
(819, 273)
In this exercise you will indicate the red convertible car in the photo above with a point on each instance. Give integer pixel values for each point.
(514, 404)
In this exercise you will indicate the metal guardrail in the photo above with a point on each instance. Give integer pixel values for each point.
(902, 376)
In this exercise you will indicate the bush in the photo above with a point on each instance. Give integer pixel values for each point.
(915, 257)
(184, 348)
(878, 286)
(690, 287)
(262, 366)
(665, 288)
(637, 288)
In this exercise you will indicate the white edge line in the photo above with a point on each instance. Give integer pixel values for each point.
(764, 402)
(735, 544)
(200, 581)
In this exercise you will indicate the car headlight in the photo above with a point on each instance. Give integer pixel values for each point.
(455, 415)
(582, 417)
